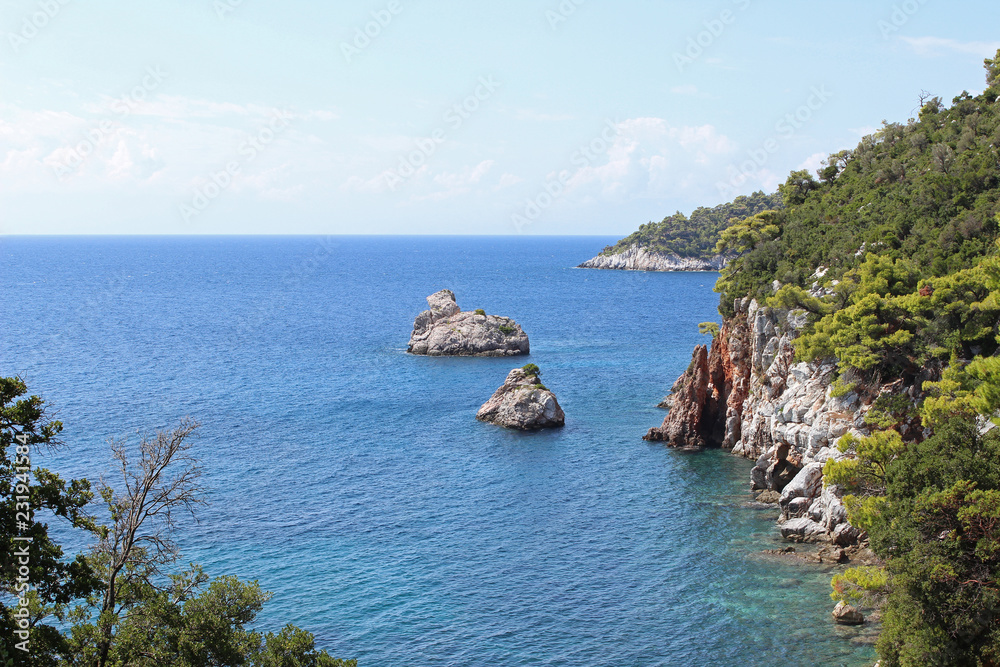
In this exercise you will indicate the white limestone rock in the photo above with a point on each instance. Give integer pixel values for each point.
(637, 258)
(522, 402)
(445, 330)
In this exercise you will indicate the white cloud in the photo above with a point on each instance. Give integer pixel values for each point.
(376, 185)
(650, 158)
(454, 184)
(813, 162)
(689, 90)
(508, 180)
(936, 46)
(167, 141)
(531, 114)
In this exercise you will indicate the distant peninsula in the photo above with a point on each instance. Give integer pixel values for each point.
(679, 243)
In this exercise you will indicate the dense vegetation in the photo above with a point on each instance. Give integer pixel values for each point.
(118, 604)
(698, 235)
(893, 253)
(922, 193)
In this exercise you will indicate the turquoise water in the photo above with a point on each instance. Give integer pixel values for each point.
(352, 480)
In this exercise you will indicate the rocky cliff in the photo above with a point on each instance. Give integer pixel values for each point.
(747, 394)
(637, 258)
(522, 402)
(446, 330)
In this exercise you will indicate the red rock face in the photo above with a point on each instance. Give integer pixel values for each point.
(708, 398)
(683, 426)
(736, 367)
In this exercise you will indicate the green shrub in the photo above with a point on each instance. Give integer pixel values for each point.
(531, 369)
(709, 329)
(480, 311)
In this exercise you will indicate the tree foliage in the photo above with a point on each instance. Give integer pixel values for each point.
(26, 429)
(892, 252)
(118, 605)
(709, 329)
(926, 192)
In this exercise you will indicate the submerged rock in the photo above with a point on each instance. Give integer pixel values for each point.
(446, 330)
(523, 402)
(769, 497)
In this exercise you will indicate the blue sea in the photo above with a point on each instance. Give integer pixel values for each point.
(353, 481)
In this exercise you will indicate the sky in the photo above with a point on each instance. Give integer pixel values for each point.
(548, 117)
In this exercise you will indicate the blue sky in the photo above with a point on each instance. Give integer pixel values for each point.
(514, 117)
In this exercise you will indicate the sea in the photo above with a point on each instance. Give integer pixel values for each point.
(352, 480)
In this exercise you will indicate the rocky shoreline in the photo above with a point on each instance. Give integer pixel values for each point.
(637, 258)
(747, 394)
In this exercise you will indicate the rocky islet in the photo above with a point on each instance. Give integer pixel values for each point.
(447, 330)
(523, 402)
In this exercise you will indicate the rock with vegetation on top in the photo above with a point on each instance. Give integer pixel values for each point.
(446, 330)
(523, 402)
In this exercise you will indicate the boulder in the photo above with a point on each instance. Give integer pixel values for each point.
(845, 535)
(768, 497)
(798, 506)
(780, 474)
(845, 614)
(802, 529)
(808, 483)
(522, 402)
(446, 330)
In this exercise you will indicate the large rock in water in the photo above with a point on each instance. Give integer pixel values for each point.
(695, 402)
(845, 614)
(445, 330)
(524, 403)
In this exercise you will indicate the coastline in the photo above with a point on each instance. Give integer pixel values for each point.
(637, 258)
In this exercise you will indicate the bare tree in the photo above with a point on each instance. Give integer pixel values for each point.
(161, 484)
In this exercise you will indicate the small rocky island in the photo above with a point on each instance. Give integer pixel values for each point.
(446, 330)
(523, 402)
